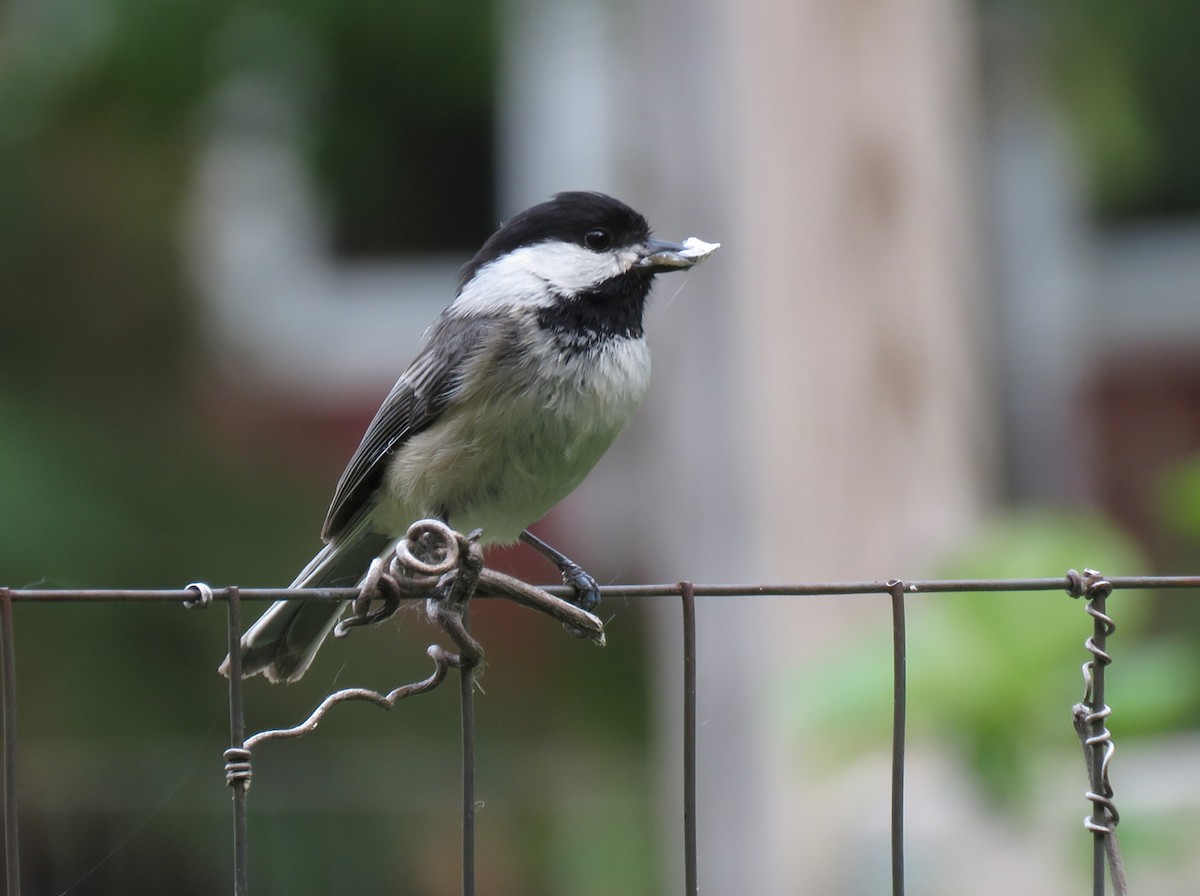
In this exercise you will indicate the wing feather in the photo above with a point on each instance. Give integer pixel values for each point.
(414, 404)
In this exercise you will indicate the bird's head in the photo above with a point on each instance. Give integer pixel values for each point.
(575, 248)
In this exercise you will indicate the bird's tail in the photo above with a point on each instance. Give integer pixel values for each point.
(282, 643)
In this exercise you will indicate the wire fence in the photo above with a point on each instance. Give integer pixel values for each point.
(455, 577)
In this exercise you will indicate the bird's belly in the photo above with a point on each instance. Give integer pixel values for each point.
(499, 464)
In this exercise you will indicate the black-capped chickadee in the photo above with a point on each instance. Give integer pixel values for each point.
(523, 383)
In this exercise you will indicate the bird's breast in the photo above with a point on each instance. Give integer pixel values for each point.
(519, 440)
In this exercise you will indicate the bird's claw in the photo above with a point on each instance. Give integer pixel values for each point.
(587, 593)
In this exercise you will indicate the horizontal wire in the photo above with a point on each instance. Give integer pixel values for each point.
(818, 589)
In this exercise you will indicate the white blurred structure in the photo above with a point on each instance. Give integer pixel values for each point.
(824, 406)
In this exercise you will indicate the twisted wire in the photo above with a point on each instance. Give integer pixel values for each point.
(237, 767)
(1092, 714)
(1089, 719)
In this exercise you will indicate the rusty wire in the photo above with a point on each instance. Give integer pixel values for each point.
(1090, 716)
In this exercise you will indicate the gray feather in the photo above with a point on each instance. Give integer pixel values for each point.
(282, 643)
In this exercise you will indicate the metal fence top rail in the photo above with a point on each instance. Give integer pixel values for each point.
(805, 589)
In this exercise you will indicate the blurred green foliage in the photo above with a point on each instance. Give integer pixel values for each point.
(1177, 498)
(1128, 85)
(994, 675)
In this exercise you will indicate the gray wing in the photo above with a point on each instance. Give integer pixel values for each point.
(415, 403)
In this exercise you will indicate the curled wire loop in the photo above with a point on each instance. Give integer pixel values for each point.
(430, 549)
(203, 598)
(1096, 589)
(420, 564)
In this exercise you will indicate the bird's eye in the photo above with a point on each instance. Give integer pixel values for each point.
(597, 240)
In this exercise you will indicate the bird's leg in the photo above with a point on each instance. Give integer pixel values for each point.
(587, 591)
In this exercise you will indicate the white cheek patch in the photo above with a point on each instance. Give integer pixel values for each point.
(571, 268)
(533, 275)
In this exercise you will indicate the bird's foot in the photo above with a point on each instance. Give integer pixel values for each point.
(587, 592)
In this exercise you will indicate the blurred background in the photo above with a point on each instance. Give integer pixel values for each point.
(952, 331)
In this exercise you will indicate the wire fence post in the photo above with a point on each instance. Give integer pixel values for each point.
(237, 757)
(899, 722)
(466, 673)
(1098, 741)
(688, 595)
(12, 842)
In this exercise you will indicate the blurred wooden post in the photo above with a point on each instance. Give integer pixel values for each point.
(819, 409)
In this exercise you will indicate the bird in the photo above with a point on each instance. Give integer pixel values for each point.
(523, 381)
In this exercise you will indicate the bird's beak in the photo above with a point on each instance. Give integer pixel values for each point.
(662, 256)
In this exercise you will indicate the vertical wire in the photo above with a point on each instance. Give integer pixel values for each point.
(467, 688)
(237, 740)
(1099, 740)
(11, 840)
(691, 884)
(899, 722)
